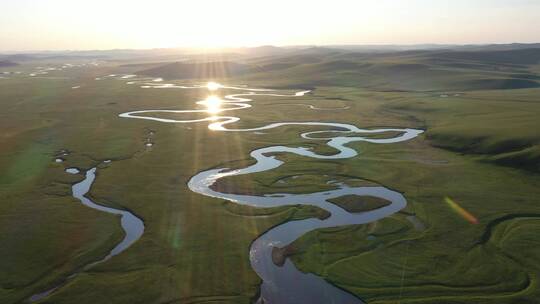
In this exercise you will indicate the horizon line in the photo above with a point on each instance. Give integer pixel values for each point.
(202, 48)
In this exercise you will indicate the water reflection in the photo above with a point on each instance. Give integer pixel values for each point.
(213, 104)
(212, 86)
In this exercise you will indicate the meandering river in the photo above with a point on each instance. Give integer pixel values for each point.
(285, 284)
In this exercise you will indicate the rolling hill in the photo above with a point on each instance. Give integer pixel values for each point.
(7, 63)
(411, 70)
(198, 70)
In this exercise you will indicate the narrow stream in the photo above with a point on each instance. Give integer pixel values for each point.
(132, 225)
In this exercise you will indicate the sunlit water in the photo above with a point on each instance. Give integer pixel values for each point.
(285, 284)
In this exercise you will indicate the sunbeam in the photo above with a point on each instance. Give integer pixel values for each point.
(213, 104)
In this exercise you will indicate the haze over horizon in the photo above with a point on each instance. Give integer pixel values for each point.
(77, 25)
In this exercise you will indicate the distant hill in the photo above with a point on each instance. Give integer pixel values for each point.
(518, 56)
(7, 63)
(47, 56)
(499, 47)
(16, 57)
(265, 50)
(411, 70)
(477, 68)
(455, 47)
(207, 70)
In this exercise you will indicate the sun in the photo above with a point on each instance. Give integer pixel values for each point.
(212, 86)
(213, 104)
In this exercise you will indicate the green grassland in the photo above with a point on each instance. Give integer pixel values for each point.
(355, 203)
(47, 234)
(481, 148)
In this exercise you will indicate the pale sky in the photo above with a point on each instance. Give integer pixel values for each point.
(106, 24)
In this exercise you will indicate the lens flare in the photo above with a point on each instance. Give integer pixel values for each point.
(459, 210)
(213, 104)
(212, 86)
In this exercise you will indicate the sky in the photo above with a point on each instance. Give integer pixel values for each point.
(27, 25)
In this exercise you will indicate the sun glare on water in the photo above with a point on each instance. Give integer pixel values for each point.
(213, 104)
(212, 86)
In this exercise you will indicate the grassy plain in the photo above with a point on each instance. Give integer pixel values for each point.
(194, 248)
(480, 148)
